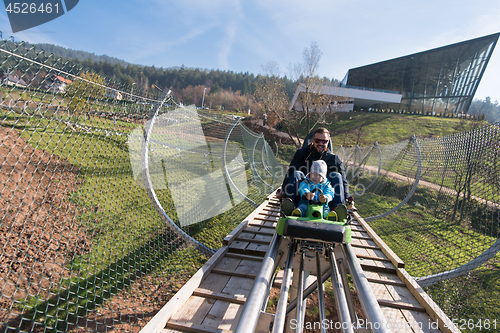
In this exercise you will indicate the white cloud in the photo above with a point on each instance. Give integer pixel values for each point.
(226, 45)
(231, 31)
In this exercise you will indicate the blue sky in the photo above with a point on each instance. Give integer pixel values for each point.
(242, 35)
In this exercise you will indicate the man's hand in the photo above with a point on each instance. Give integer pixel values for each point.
(322, 198)
(309, 196)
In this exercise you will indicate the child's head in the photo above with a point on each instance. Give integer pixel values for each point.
(318, 171)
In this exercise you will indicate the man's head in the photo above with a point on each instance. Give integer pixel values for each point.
(320, 140)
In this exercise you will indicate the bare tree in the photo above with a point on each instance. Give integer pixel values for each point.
(317, 95)
(270, 92)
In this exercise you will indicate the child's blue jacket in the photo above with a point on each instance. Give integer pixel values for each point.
(307, 185)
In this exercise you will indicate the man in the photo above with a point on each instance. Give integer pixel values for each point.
(299, 167)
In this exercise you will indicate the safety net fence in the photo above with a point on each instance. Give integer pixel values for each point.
(436, 203)
(113, 195)
(94, 236)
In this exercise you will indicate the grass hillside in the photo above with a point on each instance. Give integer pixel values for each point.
(364, 128)
(421, 232)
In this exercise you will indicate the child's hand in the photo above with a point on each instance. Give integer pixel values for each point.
(309, 196)
(322, 198)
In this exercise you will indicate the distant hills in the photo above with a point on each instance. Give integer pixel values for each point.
(181, 77)
(177, 78)
(77, 55)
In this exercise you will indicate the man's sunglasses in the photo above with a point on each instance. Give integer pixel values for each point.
(320, 141)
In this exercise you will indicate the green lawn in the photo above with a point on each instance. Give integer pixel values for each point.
(388, 128)
(423, 236)
(129, 240)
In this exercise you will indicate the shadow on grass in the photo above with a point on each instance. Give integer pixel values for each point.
(428, 209)
(63, 310)
(473, 296)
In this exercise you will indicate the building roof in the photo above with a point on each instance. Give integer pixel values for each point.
(363, 97)
(63, 80)
(441, 80)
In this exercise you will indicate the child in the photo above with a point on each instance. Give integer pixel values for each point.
(316, 179)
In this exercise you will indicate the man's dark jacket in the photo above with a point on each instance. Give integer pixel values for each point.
(304, 158)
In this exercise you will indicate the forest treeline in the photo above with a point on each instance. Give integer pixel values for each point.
(180, 79)
(486, 110)
(214, 88)
(78, 55)
(223, 89)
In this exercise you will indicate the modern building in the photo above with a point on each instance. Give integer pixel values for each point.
(438, 81)
(343, 99)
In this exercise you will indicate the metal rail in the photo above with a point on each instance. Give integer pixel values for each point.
(321, 295)
(226, 171)
(374, 316)
(309, 290)
(412, 190)
(253, 304)
(345, 282)
(375, 320)
(340, 296)
(149, 185)
(280, 316)
(300, 295)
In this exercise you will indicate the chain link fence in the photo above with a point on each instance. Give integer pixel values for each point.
(96, 237)
(436, 203)
(84, 247)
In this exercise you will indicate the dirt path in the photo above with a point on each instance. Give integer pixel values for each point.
(429, 185)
